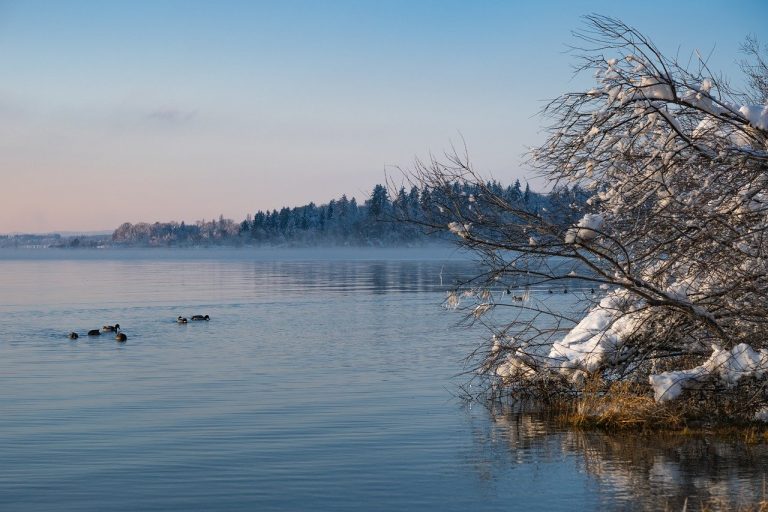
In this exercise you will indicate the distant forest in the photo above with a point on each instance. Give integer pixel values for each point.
(377, 222)
(341, 221)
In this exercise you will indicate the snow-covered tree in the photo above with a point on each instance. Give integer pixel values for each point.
(665, 269)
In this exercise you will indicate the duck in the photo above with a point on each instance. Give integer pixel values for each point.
(111, 328)
(201, 317)
(120, 336)
(94, 332)
(73, 335)
(181, 320)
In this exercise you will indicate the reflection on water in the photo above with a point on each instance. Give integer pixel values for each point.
(318, 384)
(46, 282)
(634, 471)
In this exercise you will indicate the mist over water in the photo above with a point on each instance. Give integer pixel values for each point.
(324, 381)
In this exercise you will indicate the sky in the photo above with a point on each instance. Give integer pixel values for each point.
(144, 111)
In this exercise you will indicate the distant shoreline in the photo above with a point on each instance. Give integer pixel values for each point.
(264, 253)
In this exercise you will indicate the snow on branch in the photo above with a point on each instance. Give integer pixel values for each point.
(663, 255)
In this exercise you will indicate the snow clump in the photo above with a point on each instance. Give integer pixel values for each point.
(729, 366)
(586, 229)
(757, 115)
(460, 229)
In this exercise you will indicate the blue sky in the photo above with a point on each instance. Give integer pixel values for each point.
(181, 110)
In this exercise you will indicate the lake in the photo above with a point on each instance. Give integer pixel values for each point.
(325, 380)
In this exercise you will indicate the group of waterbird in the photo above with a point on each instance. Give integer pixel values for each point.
(182, 320)
(565, 290)
(523, 297)
(121, 336)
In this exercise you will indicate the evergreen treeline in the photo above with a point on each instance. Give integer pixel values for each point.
(341, 221)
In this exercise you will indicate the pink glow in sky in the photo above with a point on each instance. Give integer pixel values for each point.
(156, 111)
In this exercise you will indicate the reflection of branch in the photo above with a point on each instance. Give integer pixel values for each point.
(654, 472)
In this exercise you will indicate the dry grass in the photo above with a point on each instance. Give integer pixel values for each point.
(623, 406)
(628, 406)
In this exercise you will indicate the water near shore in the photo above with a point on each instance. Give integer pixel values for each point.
(322, 382)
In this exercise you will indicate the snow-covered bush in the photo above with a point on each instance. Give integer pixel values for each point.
(665, 271)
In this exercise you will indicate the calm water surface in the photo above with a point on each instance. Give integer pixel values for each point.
(324, 381)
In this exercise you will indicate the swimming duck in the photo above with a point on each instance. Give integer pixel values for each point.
(201, 317)
(181, 320)
(111, 328)
(73, 335)
(121, 337)
(94, 332)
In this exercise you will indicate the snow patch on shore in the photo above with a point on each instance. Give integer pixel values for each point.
(729, 366)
